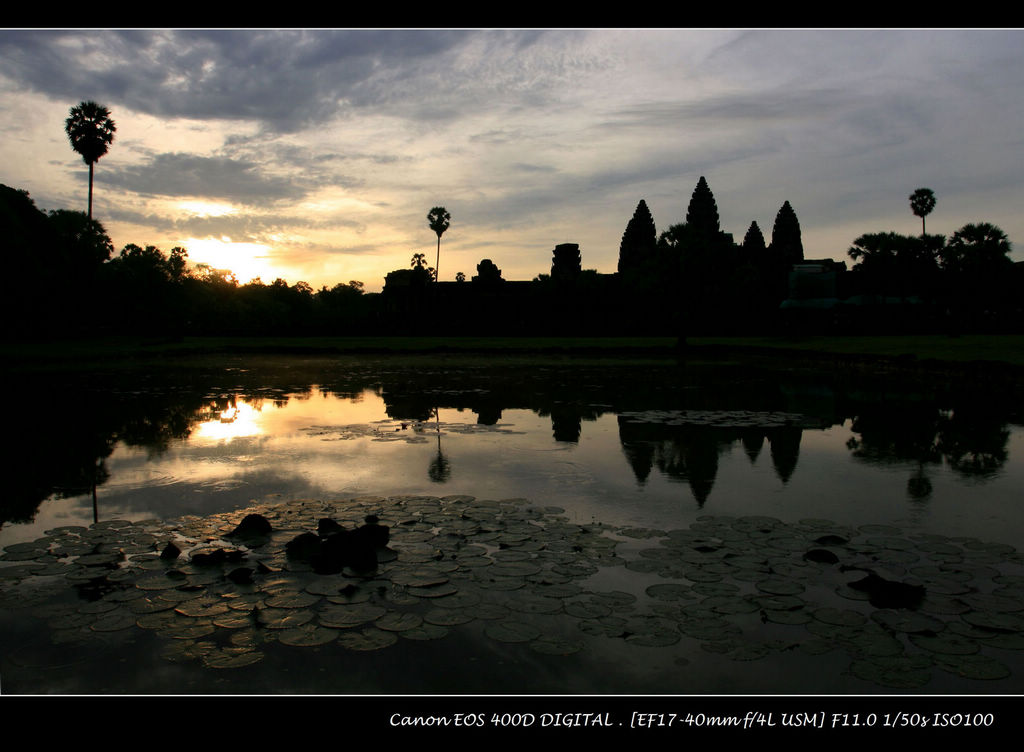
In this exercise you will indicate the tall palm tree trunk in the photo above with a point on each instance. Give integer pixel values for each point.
(91, 164)
(437, 263)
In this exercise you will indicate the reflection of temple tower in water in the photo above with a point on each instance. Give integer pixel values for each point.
(785, 449)
(566, 423)
(690, 453)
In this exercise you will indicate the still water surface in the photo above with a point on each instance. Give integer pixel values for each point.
(755, 467)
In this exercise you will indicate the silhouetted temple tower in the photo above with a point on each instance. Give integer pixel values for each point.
(639, 242)
(566, 263)
(702, 213)
(786, 246)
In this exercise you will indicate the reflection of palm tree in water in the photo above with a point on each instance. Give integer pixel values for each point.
(440, 468)
(919, 486)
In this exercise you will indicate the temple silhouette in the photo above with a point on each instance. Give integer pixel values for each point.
(693, 278)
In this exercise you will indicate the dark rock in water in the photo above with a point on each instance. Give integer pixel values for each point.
(210, 558)
(376, 535)
(883, 593)
(170, 552)
(354, 549)
(252, 526)
(303, 547)
(333, 555)
(821, 556)
(327, 527)
(241, 576)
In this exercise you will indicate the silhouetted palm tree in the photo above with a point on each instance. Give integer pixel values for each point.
(91, 131)
(438, 218)
(922, 201)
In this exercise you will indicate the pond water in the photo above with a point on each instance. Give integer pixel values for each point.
(555, 527)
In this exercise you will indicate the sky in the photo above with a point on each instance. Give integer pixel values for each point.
(315, 155)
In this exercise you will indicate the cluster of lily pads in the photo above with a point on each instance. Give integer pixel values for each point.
(743, 588)
(410, 432)
(720, 418)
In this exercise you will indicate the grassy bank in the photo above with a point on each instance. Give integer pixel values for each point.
(1007, 350)
(997, 348)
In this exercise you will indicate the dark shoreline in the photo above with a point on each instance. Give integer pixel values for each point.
(108, 353)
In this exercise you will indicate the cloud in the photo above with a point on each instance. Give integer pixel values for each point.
(283, 80)
(181, 175)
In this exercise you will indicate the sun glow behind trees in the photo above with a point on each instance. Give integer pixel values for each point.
(247, 261)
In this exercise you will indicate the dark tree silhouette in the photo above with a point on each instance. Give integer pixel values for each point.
(91, 131)
(438, 218)
(890, 263)
(84, 244)
(639, 241)
(922, 201)
(981, 248)
(786, 244)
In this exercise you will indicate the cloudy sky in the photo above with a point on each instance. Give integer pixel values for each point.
(315, 155)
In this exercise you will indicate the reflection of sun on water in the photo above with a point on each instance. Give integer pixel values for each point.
(235, 422)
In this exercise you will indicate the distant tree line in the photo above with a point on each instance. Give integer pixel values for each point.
(692, 278)
(68, 281)
(695, 278)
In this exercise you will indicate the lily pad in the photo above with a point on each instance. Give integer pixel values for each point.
(307, 635)
(113, 621)
(425, 632)
(396, 621)
(948, 644)
(284, 618)
(342, 616)
(224, 659)
(980, 667)
(897, 673)
(367, 639)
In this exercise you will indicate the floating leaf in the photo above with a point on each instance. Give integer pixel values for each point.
(839, 617)
(425, 632)
(367, 639)
(433, 591)
(307, 635)
(223, 659)
(353, 615)
(948, 644)
(901, 620)
(284, 618)
(898, 673)
(113, 621)
(202, 608)
(396, 621)
(979, 667)
(293, 599)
